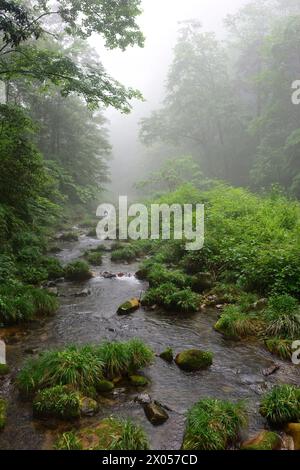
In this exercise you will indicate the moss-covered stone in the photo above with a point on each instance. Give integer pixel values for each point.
(193, 360)
(57, 402)
(167, 355)
(109, 434)
(293, 429)
(88, 406)
(129, 307)
(138, 380)
(3, 408)
(4, 369)
(104, 386)
(265, 440)
(156, 414)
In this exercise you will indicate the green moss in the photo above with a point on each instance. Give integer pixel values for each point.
(78, 271)
(167, 355)
(109, 434)
(213, 425)
(266, 440)
(138, 380)
(194, 360)
(58, 402)
(3, 408)
(281, 405)
(104, 386)
(4, 369)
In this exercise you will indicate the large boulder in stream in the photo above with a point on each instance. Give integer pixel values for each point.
(193, 360)
(156, 414)
(104, 386)
(129, 307)
(293, 429)
(265, 440)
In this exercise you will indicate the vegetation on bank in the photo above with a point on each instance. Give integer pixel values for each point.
(281, 405)
(213, 425)
(110, 434)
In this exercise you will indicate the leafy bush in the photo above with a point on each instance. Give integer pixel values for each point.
(79, 367)
(172, 298)
(53, 267)
(283, 316)
(32, 274)
(280, 347)
(94, 257)
(213, 425)
(8, 268)
(110, 434)
(78, 271)
(236, 324)
(281, 405)
(124, 254)
(58, 402)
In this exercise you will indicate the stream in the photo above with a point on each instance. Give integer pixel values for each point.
(236, 373)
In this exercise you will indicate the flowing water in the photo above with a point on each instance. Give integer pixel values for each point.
(236, 373)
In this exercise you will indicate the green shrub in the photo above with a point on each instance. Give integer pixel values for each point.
(124, 254)
(8, 268)
(213, 425)
(32, 274)
(235, 324)
(94, 257)
(110, 434)
(69, 237)
(58, 401)
(281, 405)
(79, 367)
(172, 298)
(283, 316)
(53, 267)
(280, 347)
(78, 271)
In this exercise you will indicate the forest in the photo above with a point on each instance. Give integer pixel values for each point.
(142, 344)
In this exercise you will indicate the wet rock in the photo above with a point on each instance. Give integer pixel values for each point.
(50, 284)
(69, 237)
(52, 291)
(3, 407)
(108, 275)
(155, 413)
(258, 306)
(193, 360)
(265, 440)
(203, 281)
(167, 355)
(83, 293)
(271, 370)
(88, 406)
(293, 429)
(104, 386)
(138, 381)
(143, 399)
(120, 275)
(287, 442)
(129, 307)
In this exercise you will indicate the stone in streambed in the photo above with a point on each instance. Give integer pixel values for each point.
(155, 413)
(129, 307)
(293, 429)
(88, 406)
(265, 440)
(138, 380)
(167, 355)
(83, 293)
(104, 386)
(193, 360)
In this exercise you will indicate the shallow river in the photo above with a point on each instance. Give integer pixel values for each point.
(236, 373)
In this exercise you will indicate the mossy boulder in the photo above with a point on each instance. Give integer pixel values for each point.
(3, 408)
(129, 307)
(4, 369)
(155, 413)
(138, 380)
(293, 429)
(88, 406)
(265, 440)
(167, 355)
(193, 360)
(109, 434)
(57, 402)
(104, 386)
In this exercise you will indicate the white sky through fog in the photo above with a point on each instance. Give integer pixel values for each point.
(146, 68)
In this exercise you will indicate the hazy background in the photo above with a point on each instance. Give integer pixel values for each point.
(146, 69)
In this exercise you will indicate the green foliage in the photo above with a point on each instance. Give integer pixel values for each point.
(236, 324)
(280, 347)
(94, 257)
(79, 367)
(281, 405)
(110, 434)
(213, 425)
(78, 271)
(283, 316)
(57, 402)
(20, 303)
(172, 298)
(124, 254)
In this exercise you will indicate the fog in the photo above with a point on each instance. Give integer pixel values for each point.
(146, 69)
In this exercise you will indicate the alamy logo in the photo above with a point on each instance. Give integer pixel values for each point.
(296, 93)
(156, 222)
